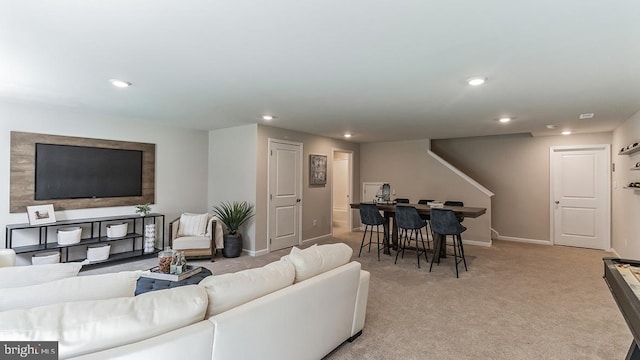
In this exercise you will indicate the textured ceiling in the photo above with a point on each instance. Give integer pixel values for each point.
(383, 70)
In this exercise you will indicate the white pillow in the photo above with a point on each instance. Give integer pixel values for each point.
(79, 288)
(316, 259)
(227, 291)
(17, 276)
(89, 326)
(193, 224)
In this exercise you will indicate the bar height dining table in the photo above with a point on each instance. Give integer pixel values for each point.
(389, 210)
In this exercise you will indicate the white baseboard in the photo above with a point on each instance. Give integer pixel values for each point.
(615, 253)
(519, 239)
(256, 253)
(340, 223)
(317, 238)
(477, 243)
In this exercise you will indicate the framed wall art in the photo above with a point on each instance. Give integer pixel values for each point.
(317, 169)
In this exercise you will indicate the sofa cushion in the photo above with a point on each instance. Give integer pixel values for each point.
(316, 259)
(193, 224)
(17, 276)
(89, 326)
(79, 288)
(230, 290)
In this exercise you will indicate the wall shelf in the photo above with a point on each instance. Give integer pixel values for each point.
(97, 235)
(630, 149)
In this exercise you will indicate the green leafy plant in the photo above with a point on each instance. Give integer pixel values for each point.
(144, 209)
(233, 214)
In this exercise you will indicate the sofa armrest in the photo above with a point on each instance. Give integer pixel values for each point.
(362, 296)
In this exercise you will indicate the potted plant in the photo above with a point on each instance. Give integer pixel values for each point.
(144, 209)
(233, 215)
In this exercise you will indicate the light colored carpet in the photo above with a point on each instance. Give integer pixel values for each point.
(517, 301)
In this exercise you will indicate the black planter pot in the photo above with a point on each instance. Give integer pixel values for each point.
(232, 245)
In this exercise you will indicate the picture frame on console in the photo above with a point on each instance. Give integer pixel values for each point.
(41, 214)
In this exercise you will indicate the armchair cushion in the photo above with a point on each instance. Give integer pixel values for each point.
(193, 224)
(191, 242)
(198, 242)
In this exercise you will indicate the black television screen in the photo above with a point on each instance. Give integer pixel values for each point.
(80, 172)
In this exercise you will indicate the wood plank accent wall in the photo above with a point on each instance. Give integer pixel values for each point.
(23, 172)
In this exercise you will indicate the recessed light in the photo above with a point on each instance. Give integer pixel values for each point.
(586, 116)
(551, 126)
(120, 83)
(476, 81)
(347, 135)
(267, 117)
(504, 119)
(566, 132)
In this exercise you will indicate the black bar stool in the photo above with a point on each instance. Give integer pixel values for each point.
(370, 217)
(443, 223)
(410, 223)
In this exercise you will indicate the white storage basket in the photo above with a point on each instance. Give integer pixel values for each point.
(69, 236)
(49, 257)
(117, 230)
(98, 252)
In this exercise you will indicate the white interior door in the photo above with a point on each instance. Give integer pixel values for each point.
(580, 193)
(285, 189)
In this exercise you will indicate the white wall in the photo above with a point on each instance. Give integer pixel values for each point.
(232, 171)
(414, 174)
(517, 169)
(181, 156)
(625, 209)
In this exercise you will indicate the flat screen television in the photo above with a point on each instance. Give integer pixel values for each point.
(80, 172)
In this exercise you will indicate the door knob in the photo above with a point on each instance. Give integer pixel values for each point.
(557, 202)
(298, 200)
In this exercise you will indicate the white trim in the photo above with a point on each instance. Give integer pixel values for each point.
(607, 202)
(317, 238)
(519, 239)
(460, 174)
(615, 253)
(349, 153)
(524, 240)
(477, 243)
(256, 253)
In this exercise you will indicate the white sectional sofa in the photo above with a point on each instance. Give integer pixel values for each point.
(300, 307)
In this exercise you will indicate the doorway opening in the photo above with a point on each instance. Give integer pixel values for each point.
(341, 191)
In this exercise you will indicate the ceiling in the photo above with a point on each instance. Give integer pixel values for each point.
(383, 70)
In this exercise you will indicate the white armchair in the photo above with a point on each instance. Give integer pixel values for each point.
(198, 235)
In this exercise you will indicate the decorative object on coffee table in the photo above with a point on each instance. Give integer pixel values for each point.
(155, 273)
(233, 215)
(164, 260)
